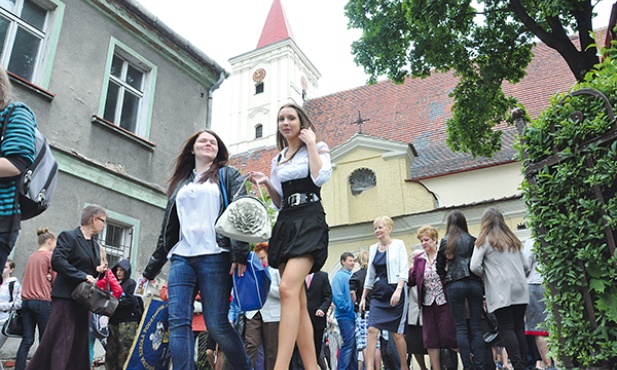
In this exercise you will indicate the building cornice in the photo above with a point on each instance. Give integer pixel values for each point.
(390, 149)
(74, 164)
(151, 30)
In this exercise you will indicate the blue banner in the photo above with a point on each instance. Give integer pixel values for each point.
(150, 349)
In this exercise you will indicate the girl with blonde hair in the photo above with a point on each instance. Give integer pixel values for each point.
(386, 277)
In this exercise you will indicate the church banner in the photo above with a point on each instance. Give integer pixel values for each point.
(150, 350)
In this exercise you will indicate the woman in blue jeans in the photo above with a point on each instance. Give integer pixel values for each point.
(36, 293)
(464, 289)
(200, 258)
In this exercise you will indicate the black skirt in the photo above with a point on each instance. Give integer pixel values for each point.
(65, 342)
(299, 231)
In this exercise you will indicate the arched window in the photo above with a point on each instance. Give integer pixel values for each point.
(258, 131)
(362, 179)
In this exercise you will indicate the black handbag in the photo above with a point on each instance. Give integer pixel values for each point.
(491, 336)
(13, 326)
(95, 299)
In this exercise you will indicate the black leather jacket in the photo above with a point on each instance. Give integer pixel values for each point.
(170, 230)
(458, 267)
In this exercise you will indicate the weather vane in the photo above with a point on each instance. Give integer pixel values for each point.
(359, 122)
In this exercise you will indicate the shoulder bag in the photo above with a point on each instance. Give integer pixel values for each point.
(251, 290)
(245, 218)
(13, 326)
(95, 299)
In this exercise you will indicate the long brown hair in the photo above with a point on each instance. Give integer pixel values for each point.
(6, 91)
(185, 162)
(305, 122)
(493, 228)
(456, 226)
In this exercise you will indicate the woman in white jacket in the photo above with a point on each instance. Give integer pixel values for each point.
(385, 279)
(10, 296)
(498, 259)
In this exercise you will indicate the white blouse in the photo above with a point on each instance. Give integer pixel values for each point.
(198, 207)
(298, 167)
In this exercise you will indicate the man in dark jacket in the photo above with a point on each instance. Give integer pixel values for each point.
(124, 322)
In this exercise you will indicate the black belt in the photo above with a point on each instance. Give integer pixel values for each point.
(300, 198)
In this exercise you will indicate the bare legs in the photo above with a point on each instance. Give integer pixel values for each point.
(371, 346)
(433, 355)
(401, 347)
(295, 324)
(543, 349)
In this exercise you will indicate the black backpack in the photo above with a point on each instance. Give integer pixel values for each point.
(36, 185)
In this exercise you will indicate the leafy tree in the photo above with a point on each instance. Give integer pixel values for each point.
(484, 42)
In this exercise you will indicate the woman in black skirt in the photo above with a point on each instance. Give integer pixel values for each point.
(299, 241)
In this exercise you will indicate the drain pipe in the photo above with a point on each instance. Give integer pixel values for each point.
(216, 85)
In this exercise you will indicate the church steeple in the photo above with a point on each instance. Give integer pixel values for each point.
(275, 73)
(276, 27)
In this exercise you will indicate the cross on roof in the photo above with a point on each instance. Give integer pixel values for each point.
(359, 122)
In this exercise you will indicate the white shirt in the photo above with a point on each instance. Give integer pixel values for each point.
(198, 207)
(298, 167)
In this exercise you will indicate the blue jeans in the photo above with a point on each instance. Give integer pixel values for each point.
(348, 354)
(468, 291)
(35, 313)
(7, 242)
(209, 274)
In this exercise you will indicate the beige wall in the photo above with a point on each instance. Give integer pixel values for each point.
(473, 186)
(354, 238)
(410, 204)
(392, 196)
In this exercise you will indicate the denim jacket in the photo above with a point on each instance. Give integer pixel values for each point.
(170, 230)
(456, 268)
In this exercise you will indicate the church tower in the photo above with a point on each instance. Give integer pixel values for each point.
(275, 73)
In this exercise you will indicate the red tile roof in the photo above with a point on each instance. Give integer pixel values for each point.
(276, 27)
(416, 112)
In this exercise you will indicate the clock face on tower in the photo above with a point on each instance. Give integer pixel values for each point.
(259, 75)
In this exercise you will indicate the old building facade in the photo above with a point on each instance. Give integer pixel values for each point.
(116, 93)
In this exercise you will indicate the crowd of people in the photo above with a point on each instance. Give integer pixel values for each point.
(391, 309)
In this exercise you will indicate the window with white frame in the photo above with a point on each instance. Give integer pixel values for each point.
(24, 29)
(117, 239)
(259, 131)
(126, 98)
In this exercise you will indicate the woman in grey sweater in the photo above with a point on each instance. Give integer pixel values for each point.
(498, 259)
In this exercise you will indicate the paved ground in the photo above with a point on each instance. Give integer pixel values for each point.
(7, 354)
